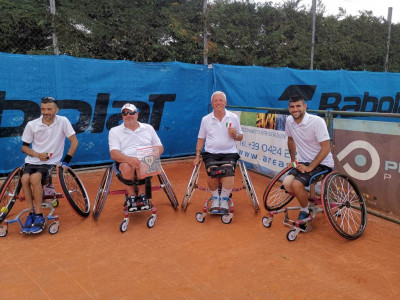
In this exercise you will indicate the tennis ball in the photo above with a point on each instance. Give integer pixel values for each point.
(4, 209)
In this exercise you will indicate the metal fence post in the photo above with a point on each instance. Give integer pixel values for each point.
(54, 36)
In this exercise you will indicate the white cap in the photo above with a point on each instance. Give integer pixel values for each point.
(129, 106)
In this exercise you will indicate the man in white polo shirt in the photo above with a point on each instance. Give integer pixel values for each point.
(218, 133)
(47, 136)
(124, 140)
(308, 135)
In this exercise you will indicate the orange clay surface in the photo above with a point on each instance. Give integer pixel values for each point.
(180, 258)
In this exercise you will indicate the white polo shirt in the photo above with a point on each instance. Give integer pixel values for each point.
(216, 133)
(307, 135)
(128, 141)
(49, 139)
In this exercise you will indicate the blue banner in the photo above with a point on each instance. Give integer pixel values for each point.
(172, 97)
(323, 90)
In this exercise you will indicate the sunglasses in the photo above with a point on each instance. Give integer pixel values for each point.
(125, 113)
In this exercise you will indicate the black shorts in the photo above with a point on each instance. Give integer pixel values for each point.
(127, 181)
(311, 177)
(44, 169)
(208, 158)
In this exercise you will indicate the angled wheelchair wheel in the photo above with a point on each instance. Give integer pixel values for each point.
(102, 192)
(275, 196)
(194, 179)
(166, 186)
(249, 186)
(74, 191)
(9, 192)
(344, 205)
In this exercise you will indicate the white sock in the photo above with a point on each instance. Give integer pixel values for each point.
(215, 193)
(305, 209)
(225, 193)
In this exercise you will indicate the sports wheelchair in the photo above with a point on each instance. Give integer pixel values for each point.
(341, 201)
(226, 218)
(104, 191)
(71, 187)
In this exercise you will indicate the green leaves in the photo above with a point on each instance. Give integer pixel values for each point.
(238, 33)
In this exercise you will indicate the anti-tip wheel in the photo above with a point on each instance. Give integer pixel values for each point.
(124, 226)
(291, 235)
(267, 222)
(3, 233)
(226, 219)
(53, 228)
(199, 217)
(151, 221)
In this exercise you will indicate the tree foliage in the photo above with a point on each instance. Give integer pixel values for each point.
(238, 33)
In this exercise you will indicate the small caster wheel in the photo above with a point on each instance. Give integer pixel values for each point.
(124, 226)
(199, 217)
(150, 222)
(53, 228)
(3, 233)
(55, 203)
(266, 222)
(226, 219)
(291, 235)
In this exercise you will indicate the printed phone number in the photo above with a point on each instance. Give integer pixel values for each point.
(265, 148)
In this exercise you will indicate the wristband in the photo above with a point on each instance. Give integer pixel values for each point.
(294, 163)
(67, 159)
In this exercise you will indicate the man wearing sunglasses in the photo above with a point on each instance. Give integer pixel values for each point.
(43, 142)
(124, 141)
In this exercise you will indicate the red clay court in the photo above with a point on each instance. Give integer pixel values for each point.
(180, 258)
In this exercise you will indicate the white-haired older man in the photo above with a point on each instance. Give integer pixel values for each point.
(219, 130)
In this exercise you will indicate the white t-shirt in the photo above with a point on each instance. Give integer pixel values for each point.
(49, 139)
(128, 141)
(216, 133)
(308, 135)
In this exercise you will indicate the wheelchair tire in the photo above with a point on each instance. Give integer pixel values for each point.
(194, 179)
(74, 191)
(248, 186)
(9, 192)
(166, 186)
(102, 192)
(275, 196)
(344, 205)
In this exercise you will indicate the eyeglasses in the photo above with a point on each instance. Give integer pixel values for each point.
(125, 113)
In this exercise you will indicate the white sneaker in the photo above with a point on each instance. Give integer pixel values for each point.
(48, 190)
(224, 205)
(214, 205)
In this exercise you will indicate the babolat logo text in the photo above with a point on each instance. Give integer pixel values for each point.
(15, 113)
(334, 101)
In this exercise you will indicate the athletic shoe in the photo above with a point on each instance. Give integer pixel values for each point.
(302, 216)
(144, 202)
(28, 223)
(214, 205)
(224, 205)
(131, 204)
(38, 224)
(48, 189)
